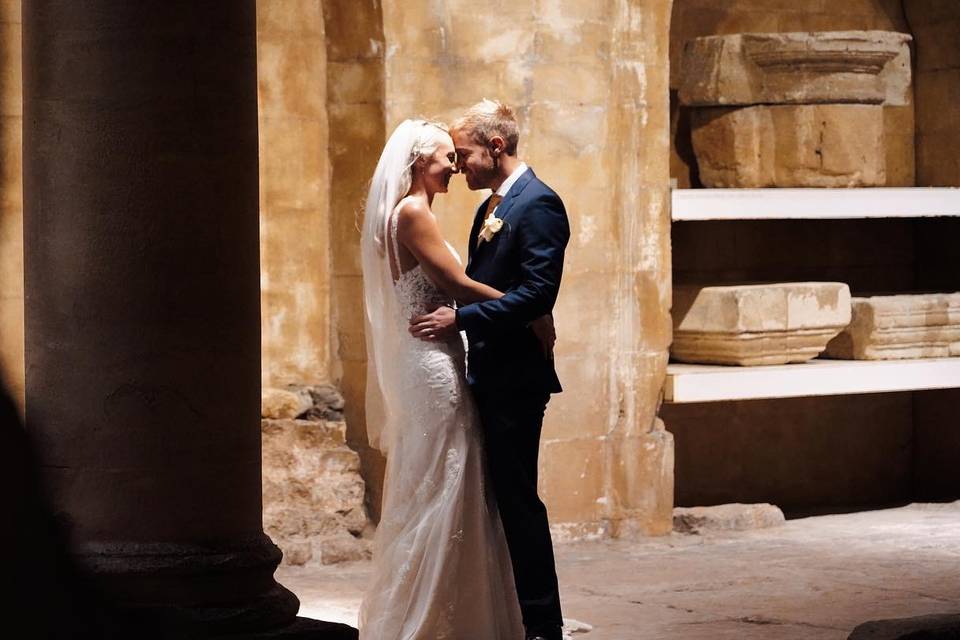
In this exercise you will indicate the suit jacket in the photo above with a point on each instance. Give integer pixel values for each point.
(525, 260)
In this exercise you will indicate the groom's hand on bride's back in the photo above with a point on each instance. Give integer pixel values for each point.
(439, 324)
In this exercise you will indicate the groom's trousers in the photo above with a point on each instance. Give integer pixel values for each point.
(512, 421)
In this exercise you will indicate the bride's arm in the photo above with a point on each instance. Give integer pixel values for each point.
(418, 231)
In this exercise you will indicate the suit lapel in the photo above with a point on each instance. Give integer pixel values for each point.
(503, 210)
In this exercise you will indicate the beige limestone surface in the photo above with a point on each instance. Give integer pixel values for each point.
(810, 579)
(900, 326)
(862, 67)
(816, 145)
(295, 239)
(757, 323)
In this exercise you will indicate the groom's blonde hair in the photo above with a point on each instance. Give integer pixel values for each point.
(489, 118)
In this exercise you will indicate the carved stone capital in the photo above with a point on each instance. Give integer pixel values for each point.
(866, 67)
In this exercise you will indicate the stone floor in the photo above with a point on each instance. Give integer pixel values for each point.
(812, 578)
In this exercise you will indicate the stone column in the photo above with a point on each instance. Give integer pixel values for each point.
(11, 204)
(142, 300)
(638, 450)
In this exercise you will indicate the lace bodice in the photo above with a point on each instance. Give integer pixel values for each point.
(417, 293)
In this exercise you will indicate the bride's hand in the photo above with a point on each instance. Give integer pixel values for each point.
(546, 333)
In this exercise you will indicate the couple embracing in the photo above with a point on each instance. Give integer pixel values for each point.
(463, 549)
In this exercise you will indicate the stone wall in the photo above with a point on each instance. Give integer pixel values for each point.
(936, 28)
(295, 242)
(589, 81)
(11, 203)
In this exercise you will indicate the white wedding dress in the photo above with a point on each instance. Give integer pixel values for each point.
(441, 567)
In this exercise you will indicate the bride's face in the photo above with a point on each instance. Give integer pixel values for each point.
(438, 168)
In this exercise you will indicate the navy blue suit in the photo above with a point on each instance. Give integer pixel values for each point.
(512, 379)
(525, 260)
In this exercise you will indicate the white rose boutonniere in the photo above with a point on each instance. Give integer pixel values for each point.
(490, 228)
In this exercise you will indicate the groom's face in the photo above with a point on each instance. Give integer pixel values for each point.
(474, 161)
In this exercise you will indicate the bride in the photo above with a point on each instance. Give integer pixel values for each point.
(441, 567)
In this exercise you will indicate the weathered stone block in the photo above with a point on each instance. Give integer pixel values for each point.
(757, 324)
(899, 140)
(868, 67)
(900, 326)
(726, 517)
(790, 146)
(312, 491)
(280, 404)
(344, 548)
(642, 475)
(571, 478)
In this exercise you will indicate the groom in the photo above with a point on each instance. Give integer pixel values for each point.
(516, 245)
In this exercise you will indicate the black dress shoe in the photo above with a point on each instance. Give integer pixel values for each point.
(541, 636)
(550, 633)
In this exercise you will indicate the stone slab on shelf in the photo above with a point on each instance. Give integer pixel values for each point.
(900, 326)
(866, 67)
(815, 145)
(813, 203)
(714, 383)
(757, 324)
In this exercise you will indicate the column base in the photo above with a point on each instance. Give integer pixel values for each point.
(190, 590)
(304, 629)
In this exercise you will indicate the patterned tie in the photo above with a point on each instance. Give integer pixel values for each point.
(491, 205)
(494, 201)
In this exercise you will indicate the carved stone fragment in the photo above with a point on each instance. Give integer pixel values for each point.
(864, 67)
(900, 326)
(757, 324)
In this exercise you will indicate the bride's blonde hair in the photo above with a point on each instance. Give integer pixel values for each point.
(393, 177)
(431, 134)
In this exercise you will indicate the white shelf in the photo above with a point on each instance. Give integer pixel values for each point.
(710, 383)
(825, 204)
